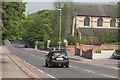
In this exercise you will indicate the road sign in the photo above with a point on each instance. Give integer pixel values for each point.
(59, 42)
(49, 41)
(65, 41)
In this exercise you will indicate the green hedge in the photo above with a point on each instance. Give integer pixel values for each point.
(98, 51)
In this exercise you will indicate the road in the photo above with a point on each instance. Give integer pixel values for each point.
(76, 69)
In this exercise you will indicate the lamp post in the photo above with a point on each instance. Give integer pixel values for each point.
(75, 30)
(36, 44)
(48, 44)
(92, 31)
(25, 38)
(60, 31)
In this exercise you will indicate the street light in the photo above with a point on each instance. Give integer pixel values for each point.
(92, 31)
(60, 31)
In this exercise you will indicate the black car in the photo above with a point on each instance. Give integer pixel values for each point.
(57, 58)
(116, 54)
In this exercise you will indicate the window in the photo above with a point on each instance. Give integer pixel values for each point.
(86, 21)
(112, 23)
(100, 22)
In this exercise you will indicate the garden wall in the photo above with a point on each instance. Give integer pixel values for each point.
(89, 51)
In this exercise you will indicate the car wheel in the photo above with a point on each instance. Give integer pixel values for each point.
(46, 64)
(116, 57)
(67, 66)
(50, 65)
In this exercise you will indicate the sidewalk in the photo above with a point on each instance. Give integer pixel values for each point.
(110, 63)
(8, 68)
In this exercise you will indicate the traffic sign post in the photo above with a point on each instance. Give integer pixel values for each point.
(48, 44)
(59, 45)
(65, 41)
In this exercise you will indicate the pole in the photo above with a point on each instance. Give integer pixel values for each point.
(60, 31)
(75, 34)
(91, 32)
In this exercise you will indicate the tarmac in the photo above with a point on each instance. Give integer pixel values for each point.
(8, 68)
(104, 62)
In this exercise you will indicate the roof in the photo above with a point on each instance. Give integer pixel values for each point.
(88, 31)
(97, 9)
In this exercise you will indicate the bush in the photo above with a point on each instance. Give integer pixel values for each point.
(71, 40)
(116, 43)
(41, 45)
(54, 42)
(98, 51)
(108, 37)
(85, 40)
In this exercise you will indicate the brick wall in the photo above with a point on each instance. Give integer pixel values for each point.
(88, 50)
(105, 47)
(70, 49)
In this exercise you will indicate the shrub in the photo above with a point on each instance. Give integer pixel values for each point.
(98, 51)
(85, 40)
(41, 45)
(71, 40)
(54, 42)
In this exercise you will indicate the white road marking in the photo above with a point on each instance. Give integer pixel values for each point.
(73, 66)
(20, 59)
(28, 63)
(108, 75)
(88, 70)
(40, 70)
(97, 64)
(33, 66)
(82, 69)
(50, 76)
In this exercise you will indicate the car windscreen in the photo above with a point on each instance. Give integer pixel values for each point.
(59, 54)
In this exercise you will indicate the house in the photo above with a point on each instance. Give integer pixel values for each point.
(94, 18)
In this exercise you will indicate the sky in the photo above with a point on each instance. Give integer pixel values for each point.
(33, 6)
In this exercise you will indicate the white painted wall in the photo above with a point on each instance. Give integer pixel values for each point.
(103, 54)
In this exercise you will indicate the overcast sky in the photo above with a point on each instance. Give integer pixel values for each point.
(36, 5)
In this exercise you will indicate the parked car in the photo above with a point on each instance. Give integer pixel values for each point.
(57, 58)
(116, 54)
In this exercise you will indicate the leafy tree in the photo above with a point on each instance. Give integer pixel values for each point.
(119, 19)
(38, 27)
(12, 14)
(67, 12)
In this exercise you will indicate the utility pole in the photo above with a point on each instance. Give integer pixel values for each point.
(75, 32)
(91, 32)
(60, 31)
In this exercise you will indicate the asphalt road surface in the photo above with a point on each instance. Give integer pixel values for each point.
(76, 69)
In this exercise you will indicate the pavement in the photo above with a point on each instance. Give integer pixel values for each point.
(8, 69)
(109, 63)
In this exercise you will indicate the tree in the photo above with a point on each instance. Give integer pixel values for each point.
(38, 27)
(119, 20)
(12, 14)
(67, 12)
